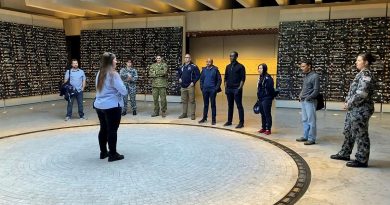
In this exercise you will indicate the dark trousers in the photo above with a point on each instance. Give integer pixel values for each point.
(109, 124)
(234, 95)
(265, 111)
(209, 94)
(79, 97)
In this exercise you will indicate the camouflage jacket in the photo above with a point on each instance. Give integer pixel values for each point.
(159, 74)
(361, 91)
(125, 72)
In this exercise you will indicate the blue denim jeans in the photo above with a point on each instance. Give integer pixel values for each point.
(79, 98)
(309, 120)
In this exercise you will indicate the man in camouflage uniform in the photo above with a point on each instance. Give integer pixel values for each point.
(159, 73)
(129, 76)
(360, 106)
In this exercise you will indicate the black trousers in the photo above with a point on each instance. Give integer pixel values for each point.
(234, 95)
(265, 111)
(109, 124)
(209, 94)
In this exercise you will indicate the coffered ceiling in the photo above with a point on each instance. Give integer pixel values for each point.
(111, 8)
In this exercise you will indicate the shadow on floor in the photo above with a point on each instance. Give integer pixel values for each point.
(381, 164)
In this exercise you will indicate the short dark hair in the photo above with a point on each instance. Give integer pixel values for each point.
(74, 59)
(307, 62)
(129, 59)
(235, 53)
(368, 57)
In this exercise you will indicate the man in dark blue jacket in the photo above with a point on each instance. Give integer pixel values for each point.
(188, 75)
(210, 84)
(234, 83)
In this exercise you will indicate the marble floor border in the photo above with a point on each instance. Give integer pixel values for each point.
(295, 193)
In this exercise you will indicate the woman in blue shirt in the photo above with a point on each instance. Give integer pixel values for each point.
(108, 104)
(265, 95)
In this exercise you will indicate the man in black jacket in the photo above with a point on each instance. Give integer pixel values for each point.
(234, 82)
(188, 75)
(210, 84)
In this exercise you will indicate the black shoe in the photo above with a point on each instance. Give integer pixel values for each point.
(115, 157)
(155, 115)
(134, 112)
(213, 122)
(227, 124)
(124, 113)
(355, 163)
(183, 116)
(339, 157)
(202, 121)
(301, 139)
(309, 142)
(103, 155)
(240, 125)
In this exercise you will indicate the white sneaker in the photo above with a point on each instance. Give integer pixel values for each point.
(83, 118)
(67, 118)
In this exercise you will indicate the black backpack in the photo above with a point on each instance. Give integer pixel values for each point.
(320, 101)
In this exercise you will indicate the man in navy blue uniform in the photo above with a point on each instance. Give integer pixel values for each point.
(210, 84)
(188, 75)
(234, 83)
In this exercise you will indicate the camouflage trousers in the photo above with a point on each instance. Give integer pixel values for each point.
(162, 93)
(356, 129)
(132, 91)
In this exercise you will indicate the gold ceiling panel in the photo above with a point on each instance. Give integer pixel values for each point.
(248, 3)
(88, 6)
(120, 5)
(156, 6)
(188, 5)
(215, 4)
(20, 5)
(52, 6)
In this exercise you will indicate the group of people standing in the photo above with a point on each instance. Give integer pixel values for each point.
(210, 79)
(113, 89)
(359, 105)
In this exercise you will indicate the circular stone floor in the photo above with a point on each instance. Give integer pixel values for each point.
(164, 164)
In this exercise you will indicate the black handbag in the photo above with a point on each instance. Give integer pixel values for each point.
(320, 101)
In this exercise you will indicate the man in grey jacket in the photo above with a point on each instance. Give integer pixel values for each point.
(307, 97)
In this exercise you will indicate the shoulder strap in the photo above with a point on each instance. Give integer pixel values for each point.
(68, 78)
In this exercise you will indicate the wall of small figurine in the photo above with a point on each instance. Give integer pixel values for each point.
(141, 45)
(333, 46)
(32, 60)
